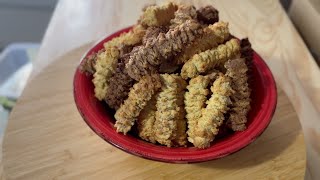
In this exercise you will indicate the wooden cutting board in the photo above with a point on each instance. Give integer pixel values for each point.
(46, 138)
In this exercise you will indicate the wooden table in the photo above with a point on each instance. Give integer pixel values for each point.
(47, 139)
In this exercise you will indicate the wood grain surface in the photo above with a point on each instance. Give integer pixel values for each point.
(53, 142)
(77, 22)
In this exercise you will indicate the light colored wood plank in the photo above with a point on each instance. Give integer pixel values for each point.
(47, 139)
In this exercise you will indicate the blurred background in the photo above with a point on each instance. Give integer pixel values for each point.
(24, 22)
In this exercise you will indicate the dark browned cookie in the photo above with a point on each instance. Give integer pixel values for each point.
(208, 15)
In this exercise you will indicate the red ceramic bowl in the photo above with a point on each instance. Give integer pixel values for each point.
(100, 118)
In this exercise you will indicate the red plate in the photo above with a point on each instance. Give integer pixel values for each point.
(100, 118)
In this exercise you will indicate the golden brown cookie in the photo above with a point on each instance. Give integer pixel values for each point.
(204, 61)
(170, 122)
(213, 115)
(158, 15)
(138, 98)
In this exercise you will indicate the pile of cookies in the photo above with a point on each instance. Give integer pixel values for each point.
(178, 74)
